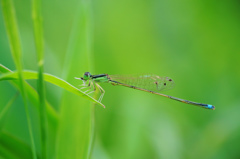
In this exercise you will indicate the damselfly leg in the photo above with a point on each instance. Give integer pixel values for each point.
(101, 91)
(91, 85)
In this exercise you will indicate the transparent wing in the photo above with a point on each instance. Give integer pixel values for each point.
(149, 82)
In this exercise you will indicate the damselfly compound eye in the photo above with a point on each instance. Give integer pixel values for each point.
(86, 76)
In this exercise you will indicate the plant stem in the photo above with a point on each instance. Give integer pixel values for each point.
(15, 45)
(38, 32)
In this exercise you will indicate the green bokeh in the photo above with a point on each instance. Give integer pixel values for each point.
(194, 42)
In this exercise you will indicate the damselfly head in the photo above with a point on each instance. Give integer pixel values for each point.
(86, 76)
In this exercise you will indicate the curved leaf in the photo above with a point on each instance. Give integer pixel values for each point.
(52, 79)
(53, 116)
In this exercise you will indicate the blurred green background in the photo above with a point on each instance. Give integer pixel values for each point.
(197, 43)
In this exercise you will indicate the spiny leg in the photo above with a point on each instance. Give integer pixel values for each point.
(84, 83)
(98, 86)
(90, 92)
(77, 78)
(94, 88)
(93, 84)
(89, 86)
(102, 92)
(83, 86)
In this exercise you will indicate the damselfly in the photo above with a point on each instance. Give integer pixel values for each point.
(148, 83)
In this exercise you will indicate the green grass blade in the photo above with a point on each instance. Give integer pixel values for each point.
(52, 115)
(87, 17)
(33, 97)
(38, 32)
(14, 40)
(52, 79)
(73, 110)
(12, 147)
(6, 108)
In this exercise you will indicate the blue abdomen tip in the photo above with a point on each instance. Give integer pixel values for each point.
(210, 106)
